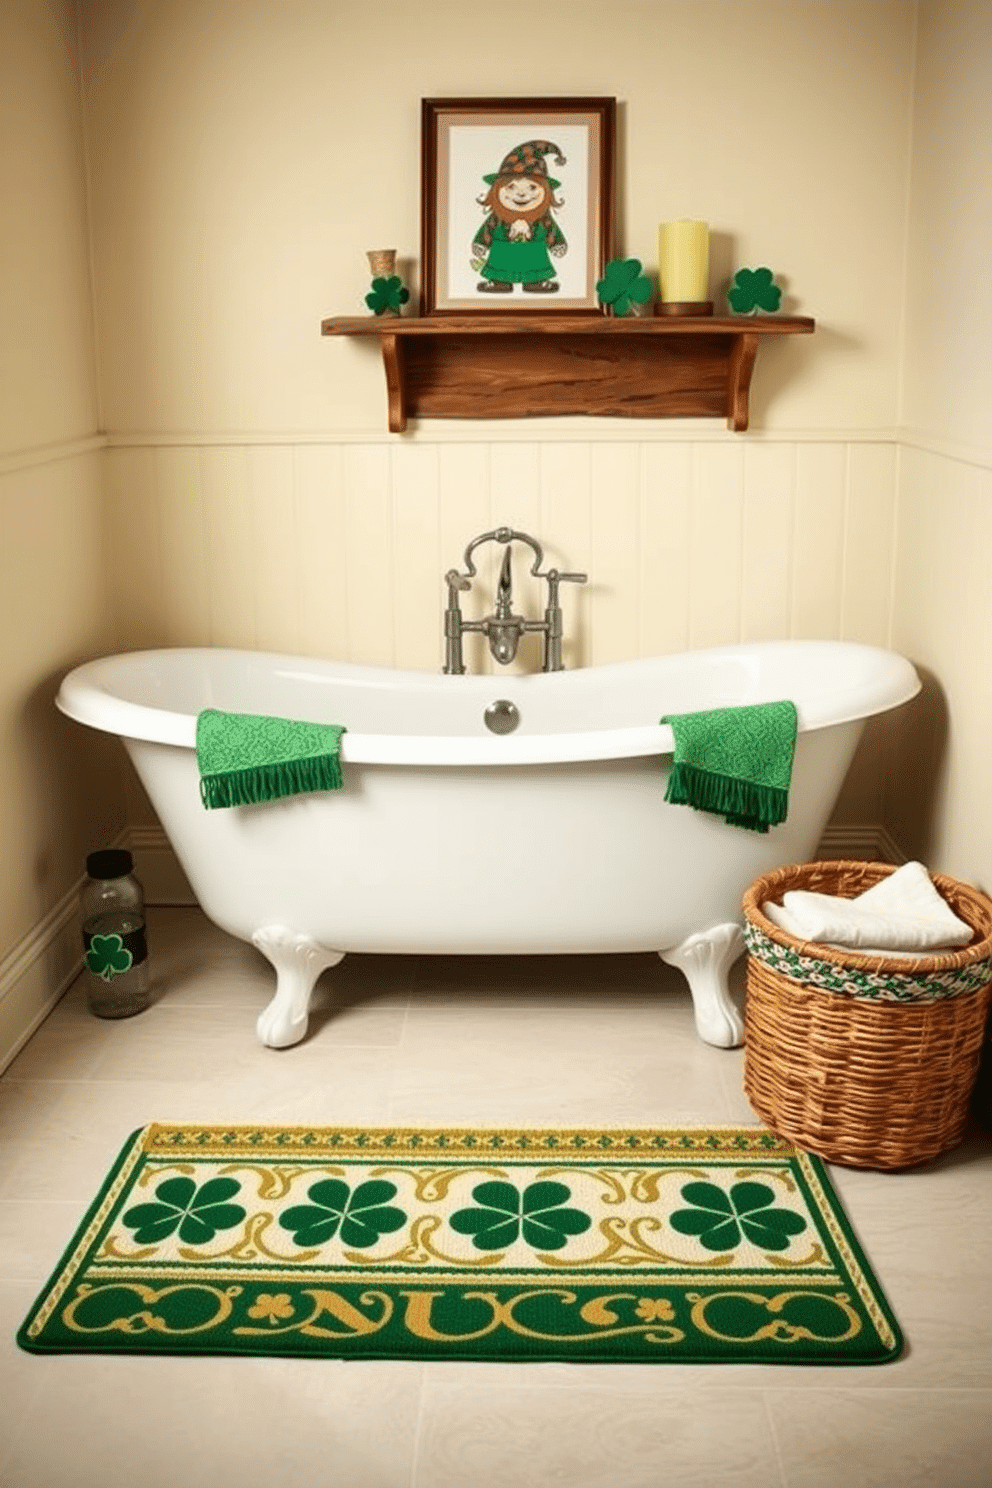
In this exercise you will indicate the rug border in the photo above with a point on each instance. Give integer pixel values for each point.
(821, 1191)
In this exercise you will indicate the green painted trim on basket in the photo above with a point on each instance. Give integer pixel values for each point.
(716, 1245)
(862, 984)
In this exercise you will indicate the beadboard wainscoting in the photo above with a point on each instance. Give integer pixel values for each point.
(942, 619)
(339, 548)
(60, 787)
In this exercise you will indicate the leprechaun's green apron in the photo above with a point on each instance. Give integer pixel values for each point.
(520, 261)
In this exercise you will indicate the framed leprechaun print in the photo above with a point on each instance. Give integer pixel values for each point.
(517, 204)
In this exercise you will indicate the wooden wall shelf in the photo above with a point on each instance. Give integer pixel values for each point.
(515, 366)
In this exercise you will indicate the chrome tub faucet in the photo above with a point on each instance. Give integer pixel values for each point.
(503, 629)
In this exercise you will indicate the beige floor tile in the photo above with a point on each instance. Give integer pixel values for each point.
(68, 1155)
(613, 1064)
(19, 1386)
(488, 1040)
(917, 1439)
(195, 963)
(64, 1048)
(384, 979)
(28, 1107)
(215, 1423)
(220, 1044)
(71, 1166)
(569, 1433)
(547, 981)
(343, 1085)
(33, 1235)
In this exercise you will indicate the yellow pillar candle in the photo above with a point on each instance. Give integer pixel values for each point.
(684, 260)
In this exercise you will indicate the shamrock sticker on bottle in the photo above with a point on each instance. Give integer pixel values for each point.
(107, 956)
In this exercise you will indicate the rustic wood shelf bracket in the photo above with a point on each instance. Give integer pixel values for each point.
(743, 354)
(517, 365)
(394, 363)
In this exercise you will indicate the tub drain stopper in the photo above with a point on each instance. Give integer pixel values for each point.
(502, 716)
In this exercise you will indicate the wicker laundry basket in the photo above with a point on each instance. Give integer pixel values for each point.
(869, 1061)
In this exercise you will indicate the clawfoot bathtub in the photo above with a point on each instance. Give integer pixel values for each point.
(445, 839)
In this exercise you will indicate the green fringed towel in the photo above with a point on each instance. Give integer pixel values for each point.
(245, 758)
(736, 762)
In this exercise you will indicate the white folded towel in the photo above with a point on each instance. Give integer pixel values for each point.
(903, 914)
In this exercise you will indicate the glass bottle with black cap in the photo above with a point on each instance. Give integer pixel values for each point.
(114, 941)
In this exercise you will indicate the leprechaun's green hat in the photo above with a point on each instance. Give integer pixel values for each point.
(528, 160)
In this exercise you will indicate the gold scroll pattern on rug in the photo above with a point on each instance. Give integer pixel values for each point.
(725, 1244)
(599, 1312)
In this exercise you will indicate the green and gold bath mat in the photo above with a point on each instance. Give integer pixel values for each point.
(703, 1246)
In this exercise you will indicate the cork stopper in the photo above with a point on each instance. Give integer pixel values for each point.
(382, 262)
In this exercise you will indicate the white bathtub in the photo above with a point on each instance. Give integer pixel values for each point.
(446, 838)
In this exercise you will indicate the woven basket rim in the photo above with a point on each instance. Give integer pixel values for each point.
(772, 886)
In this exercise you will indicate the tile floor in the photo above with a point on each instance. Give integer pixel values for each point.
(571, 1041)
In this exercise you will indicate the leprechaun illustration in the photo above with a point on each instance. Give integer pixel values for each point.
(519, 238)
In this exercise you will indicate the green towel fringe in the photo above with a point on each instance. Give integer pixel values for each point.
(735, 762)
(743, 803)
(247, 758)
(260, 783)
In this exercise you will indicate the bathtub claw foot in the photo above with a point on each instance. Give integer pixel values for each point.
(298, 960)
(705, 961)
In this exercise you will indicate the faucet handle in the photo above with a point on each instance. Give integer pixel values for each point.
(554, 578)
(456, 581)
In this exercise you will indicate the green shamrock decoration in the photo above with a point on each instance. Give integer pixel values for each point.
(387, 295)
(362, 1215)
(753, 290)
(504, 1213)
(723, 1220)
(197, 1213)
(108, 956)
(623, 284)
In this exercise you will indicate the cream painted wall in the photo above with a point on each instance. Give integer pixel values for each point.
(943, 599)
(46, 326)
(948, 378)
(59, 794)
(245, 154)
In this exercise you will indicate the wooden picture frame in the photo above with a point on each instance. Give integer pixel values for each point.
(517, 204)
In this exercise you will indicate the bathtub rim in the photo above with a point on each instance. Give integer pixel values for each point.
(86, 695)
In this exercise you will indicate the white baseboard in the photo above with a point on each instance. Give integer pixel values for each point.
(872, 844)
(40, 968)
(36, 973)
(157, 867)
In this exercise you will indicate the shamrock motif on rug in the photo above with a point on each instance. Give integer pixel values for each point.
(362, 1214)
(197, 1213)
(504, 1213)
(723, 1221)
